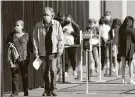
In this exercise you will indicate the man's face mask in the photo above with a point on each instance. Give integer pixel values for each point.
(47, 16)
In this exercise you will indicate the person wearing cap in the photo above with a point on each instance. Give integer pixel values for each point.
(95, 56)
(109, 18)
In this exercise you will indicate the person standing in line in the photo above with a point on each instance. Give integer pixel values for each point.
(59, 17)
(48, 46)
(71, 37)
(19, 47)
(104, 29)
(127, 47)
(114, 38)
(95, 54)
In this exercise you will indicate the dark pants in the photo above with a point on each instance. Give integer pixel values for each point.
(23, 68)
(71, 55)
(49, 73)
(102, 55)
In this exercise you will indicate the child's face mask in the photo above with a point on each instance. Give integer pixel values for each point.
(91, 25)
(108, 17)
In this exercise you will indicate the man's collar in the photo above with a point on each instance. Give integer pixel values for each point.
(52, 22)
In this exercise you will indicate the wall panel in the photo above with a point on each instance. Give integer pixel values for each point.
(31, 13)
(11, 11)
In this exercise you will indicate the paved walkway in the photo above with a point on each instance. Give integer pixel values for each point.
(110, 87)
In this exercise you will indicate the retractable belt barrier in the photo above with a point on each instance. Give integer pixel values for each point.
(88, 40)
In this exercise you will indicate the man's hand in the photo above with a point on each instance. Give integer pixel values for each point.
(35, 56)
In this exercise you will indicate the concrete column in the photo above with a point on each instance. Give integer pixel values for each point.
(94, 9)
(124, 9)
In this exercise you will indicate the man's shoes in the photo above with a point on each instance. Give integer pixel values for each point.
(53, 93)
(46, 94)
(25, 93)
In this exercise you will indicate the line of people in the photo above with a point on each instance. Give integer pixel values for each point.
(117, 44)
(52, 33)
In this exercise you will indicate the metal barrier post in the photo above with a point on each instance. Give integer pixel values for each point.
(63, 67)
(110, 73)
(87, 72)
(100, 58)
(81, 63)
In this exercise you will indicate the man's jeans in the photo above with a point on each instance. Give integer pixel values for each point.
(49, 73)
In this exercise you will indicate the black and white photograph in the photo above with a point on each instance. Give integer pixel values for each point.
(67, 48)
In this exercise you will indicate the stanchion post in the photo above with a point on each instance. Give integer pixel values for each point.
(63, 67)
(87, 90)
(110, 58)
(90, 66)
(100, 58)
(81, 63)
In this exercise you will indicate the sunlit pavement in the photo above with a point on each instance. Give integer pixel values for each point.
(107, 87)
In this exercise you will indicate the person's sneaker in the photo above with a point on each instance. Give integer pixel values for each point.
(123, 81)
(13, 95)
(132, 82)
(59, 79)
(53, 93)
(113, 69)
(66, 74)
(75, 74)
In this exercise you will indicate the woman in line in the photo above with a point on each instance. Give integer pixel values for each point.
(71, 33)
(22, 43)
(114, 36)
(104, 29)
(127, 46)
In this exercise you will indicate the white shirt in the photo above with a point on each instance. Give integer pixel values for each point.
(104, 30)
(68, 38)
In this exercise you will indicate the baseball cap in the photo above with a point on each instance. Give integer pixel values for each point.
(107, 13)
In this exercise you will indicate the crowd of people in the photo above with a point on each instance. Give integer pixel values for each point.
(53, 32)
